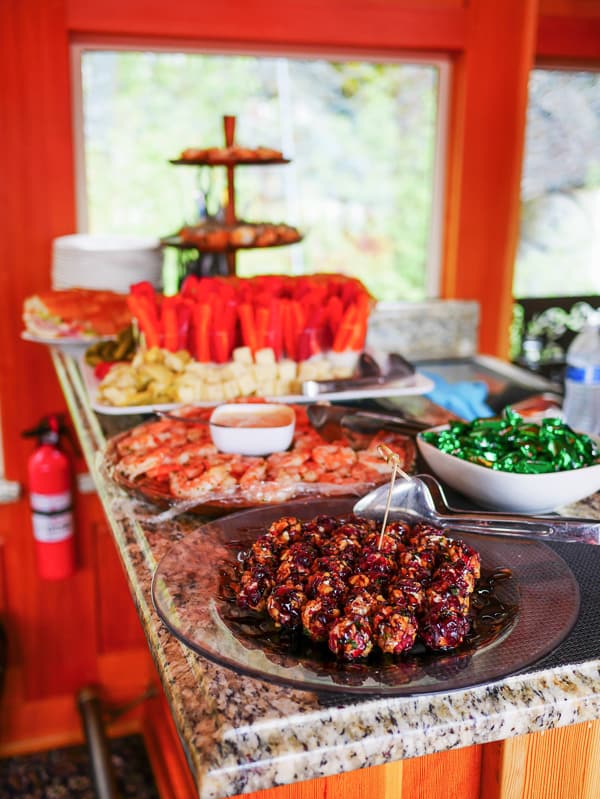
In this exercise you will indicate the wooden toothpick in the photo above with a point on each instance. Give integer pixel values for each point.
(390, 457)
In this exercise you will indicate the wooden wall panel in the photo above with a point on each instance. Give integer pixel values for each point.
(457, 770)
(555, 764)
(37, 200)
(377, 782)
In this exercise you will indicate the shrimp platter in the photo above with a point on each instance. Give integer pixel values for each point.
(174, 460)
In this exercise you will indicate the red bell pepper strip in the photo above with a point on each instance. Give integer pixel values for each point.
(230, 323)
(357, 340)
(290, 330)
(170, 326)
(333, 316)
(274, 333)
(221, 350)
(147, 319)
(190, 287)
(144, 289)
(248, 325)
(184, 319)
(201, 316)
(262, 326)
(344, 332)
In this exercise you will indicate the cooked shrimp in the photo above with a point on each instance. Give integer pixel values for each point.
(154, 434)
(257, 487)
(334, 457)
(255, 473)
(270, 491)
(286, 466)
(373, 462)
(193, 450)
(216, 479)
(137, 463)
(287, 460)
(306, 439)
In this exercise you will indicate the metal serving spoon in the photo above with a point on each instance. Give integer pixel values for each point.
(422, 498)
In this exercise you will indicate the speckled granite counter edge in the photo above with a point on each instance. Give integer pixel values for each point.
(242, 735)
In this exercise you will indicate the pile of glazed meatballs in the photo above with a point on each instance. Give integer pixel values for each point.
(342, 582)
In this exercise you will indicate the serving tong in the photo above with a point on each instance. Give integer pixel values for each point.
(421, 498)
(323, 414)
(368, 374)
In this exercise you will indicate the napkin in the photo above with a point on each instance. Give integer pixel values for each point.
(465, 398)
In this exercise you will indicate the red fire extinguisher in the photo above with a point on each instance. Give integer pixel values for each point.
(50, 496)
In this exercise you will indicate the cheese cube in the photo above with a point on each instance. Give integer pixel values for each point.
(243, 355)
(264, 356)
(234, 369)
(266, 389)
(307, 370)
(264, 371)
(213, 375)
(247, 385)
(283, 387)
(213, 392)
(230, 389)
(286, 369)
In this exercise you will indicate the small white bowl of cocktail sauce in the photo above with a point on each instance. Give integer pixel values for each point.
(253, 428)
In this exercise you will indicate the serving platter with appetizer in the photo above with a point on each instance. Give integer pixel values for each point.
(75, 319)
(211, 236)
(173, 460)
(74, 315)
(301, 594)
(220, 339)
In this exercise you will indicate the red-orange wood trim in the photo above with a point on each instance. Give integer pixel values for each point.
(572, 38)
(370, 23)
(483, 207)
(171, 771)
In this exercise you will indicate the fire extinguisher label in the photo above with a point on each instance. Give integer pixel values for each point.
(50, 503)
(50, 528)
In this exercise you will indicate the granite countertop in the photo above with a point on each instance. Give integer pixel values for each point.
(242, 734)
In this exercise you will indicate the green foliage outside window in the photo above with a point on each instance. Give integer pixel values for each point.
(361, 137)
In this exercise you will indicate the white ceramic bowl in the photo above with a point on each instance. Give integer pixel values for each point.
(253, 428)
(505, 491)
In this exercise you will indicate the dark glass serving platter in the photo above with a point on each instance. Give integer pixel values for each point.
(535, 601)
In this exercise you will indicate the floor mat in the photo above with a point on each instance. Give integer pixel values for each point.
(66, 773)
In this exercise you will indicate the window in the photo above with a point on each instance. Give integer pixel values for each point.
(363, 138)
(560, 191)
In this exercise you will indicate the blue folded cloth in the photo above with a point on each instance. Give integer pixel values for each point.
(465, 399)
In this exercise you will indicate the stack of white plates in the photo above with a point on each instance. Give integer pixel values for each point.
(105, 262)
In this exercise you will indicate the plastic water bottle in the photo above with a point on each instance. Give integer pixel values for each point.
(582, 379)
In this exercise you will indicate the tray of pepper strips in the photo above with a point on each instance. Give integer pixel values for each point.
(221, 339)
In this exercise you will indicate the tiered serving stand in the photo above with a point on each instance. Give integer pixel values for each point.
(230, 220)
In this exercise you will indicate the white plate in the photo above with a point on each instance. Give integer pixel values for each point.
(70, 344)
(400, 388)
(100, 243)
